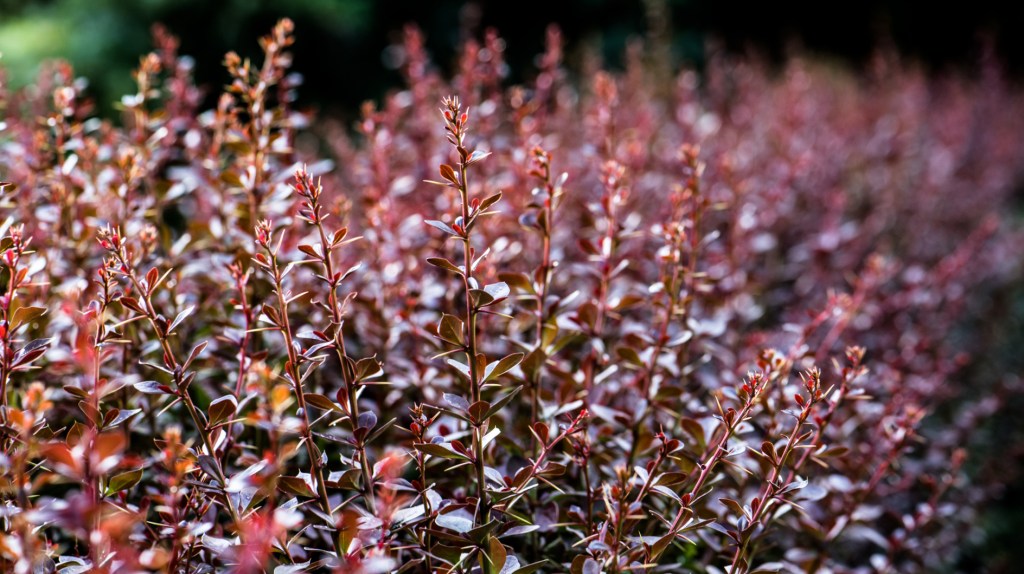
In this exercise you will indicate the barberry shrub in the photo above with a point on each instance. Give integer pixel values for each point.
(623, 323)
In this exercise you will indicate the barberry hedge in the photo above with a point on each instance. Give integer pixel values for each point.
(600, 322)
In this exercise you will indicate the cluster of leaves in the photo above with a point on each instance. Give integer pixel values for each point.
(633, 325)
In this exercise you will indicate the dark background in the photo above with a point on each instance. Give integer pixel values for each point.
(341, 42)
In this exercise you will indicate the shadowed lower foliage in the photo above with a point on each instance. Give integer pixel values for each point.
(629, 323)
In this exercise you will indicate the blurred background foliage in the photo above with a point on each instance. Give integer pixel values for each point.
(342, 48)
(342, 53)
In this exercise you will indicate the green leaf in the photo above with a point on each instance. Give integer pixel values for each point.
(532, 364)
(91, 412)
(564, 340)
(380, 430)
(695, 429)
(835, 451)
(552, 469)
(518, 281)
(490, 294)
(321, 402)
(629, 355)
(500, 403)
(222, 409)
(368, 368)
(479, 533)
(481, 298)
(478, 410)
(194, 353)
(77, 391)
(123, 481)
(489, 201)
(584, 565)
(25, 315)
(231, 178)
(661, 545)
(444, 264)
(496, 553)
(295, 485)
(348, 480)
(733, 505)
(450, 329)
(447, 172)
(311, 251)
(499, 368)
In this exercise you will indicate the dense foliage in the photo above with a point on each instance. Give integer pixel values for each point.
(621, 324)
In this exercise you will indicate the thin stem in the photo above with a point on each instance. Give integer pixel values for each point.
(542, 171)
(292, 368)
(241, 279)
(483, 506)
(538, 463)
(112, 241)
(337, 319)
(770, 490)
(8, 334)
(757, 384)
(182, 391)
